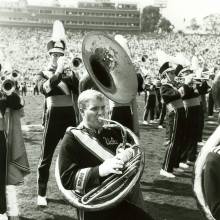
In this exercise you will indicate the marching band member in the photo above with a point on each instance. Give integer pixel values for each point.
(191, 102)
(13, 159)
(203, 89)
(207, 166)
(150, 102)
(23, 89)
(127, 114)
(176, 120)
(60, 92)
(82, 168)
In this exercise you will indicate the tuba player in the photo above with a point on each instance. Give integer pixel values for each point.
(83, 165)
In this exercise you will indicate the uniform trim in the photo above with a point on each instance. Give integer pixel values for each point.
(216, 150)
(81, 180)
(174, 105)
(191, 102)
(171, 146)
(64, 88)
(92, 145)
(59, 101)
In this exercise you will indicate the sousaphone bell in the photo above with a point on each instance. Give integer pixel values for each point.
(110, 67)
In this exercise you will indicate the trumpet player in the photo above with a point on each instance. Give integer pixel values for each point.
(13, 159)
(191, 102)
(84, 165)
(60, 109)
(176, 120)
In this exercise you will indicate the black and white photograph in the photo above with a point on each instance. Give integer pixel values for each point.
(109, 110)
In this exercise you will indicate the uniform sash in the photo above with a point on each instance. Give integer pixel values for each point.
(92, 145)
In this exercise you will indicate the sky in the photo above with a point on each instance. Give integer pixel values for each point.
(178, 11)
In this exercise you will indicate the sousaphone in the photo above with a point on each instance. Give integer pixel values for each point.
(200, 165)
(110, 67)
(113, 73)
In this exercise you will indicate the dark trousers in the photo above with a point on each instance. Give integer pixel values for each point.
(201, 122)
(212, 183)
(23, 91)
(36, 90)
(159, 110)
(3, 153)
(123, 115)
(150, 107)
(210, 104)
(176, 124)
(57, 121)
(162, 114)
(122, 211)
(189, 149)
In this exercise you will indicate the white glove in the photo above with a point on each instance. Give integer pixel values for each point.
(60, 65)
(112, 165)
(125, 155)
(181, 91)
(188, 80)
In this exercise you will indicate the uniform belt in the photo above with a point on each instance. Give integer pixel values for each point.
(174, 105)
(59, 101)
(191, 102)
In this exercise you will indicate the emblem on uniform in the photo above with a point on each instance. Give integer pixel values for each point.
(110, 141)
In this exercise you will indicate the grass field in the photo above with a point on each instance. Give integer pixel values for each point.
(165, 199)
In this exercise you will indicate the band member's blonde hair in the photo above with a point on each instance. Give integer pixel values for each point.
(86, 95)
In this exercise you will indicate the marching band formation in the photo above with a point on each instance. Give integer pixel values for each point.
(100, 163)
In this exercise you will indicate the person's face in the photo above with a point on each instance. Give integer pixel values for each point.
(53, 59)
(171, 75)
(94, 109)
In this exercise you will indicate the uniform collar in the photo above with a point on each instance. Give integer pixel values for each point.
(90, 131)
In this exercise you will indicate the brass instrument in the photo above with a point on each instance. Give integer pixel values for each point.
(216, 89)
(15, 75)
(110, 67)
(144, 58)
(117, 80)
(198, 181)
(196, 78)
(8, 82)
(115, 187)
(76, 62)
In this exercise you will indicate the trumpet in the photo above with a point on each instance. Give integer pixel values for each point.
(76, 61)
(144, 58)
(8, 86)
(197, 78)
(15, 75)
(8, 82)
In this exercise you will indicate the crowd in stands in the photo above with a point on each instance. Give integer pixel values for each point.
(25, 49)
